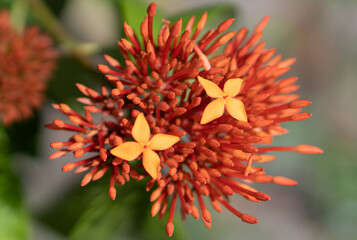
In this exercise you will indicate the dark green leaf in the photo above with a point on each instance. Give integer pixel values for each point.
(7, 3)
(89, 214)
(107, 219)
(215, 15)
(133, 12)
(13, 216)
(56, 6)
(23, 135)
(62, 87)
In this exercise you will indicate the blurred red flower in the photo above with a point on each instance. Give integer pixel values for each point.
(27, 61)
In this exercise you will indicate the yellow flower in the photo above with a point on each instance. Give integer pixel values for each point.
(225, 98)
(146, 146)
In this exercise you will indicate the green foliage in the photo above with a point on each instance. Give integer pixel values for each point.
(128, 215)
(6, 3)
(23, 135)
(62, 86)
(133, 12)
(56, 6)
(13, 216)
(215, 15)
(89, 213)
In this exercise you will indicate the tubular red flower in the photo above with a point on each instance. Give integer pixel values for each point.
(159, 81)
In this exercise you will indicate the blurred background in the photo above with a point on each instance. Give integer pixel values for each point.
(38, 201)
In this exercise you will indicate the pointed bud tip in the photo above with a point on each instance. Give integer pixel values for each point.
(68, 167)
(249, 219)
(82, 88)
(225, 25)
(262, 196)
(176, 28)
(284, 181)
(112, 193)
(152, 9)
(170, 229)
(188, 208)
(59, 123)
(86, 179)
(56, 144)
(300, 103)
(300, 116)
(65, 108)
(308, 149)
(155, 209)
(57, 154)
(206, 215)
(103, 68)
(103, 154)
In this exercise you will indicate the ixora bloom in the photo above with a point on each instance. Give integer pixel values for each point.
(27, 61)
(171, 86)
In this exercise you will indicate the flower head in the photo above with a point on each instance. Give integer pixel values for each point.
(158, 81)
(26, 63)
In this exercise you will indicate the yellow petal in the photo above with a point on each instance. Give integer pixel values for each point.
(211, 88)
(232, 87)
(128, 150)
(213, 110)
(236, 109)
(151, 162)
(162, 141)
(141, 129)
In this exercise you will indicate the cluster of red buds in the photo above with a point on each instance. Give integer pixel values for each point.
(206, 112)
(27, 61)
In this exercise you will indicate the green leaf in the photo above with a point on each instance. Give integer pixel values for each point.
(56, 6)
(107, 219)
(62, 86)
(13, 215)
(91, 214)
(133, 12)
(23, 135)
(215, 15)
(154, 228)
(7, 3)
(63, 214)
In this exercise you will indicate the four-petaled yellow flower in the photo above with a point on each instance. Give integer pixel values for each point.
(225, 98)
(144, 145)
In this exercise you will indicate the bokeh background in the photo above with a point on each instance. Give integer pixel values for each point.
(321, 34)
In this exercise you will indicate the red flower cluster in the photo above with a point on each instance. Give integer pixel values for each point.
(166, 88)
(26, 63)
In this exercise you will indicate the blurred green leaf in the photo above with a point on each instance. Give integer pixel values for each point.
(23, 135)
(56, 6)
(215, 15)
(13, 216)
(62, 215)
(7, 3)
(133, 12)
(62, 86)
(127, 216)
(89, 213)
(105, 219)
(154, 228)
(335, 182)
